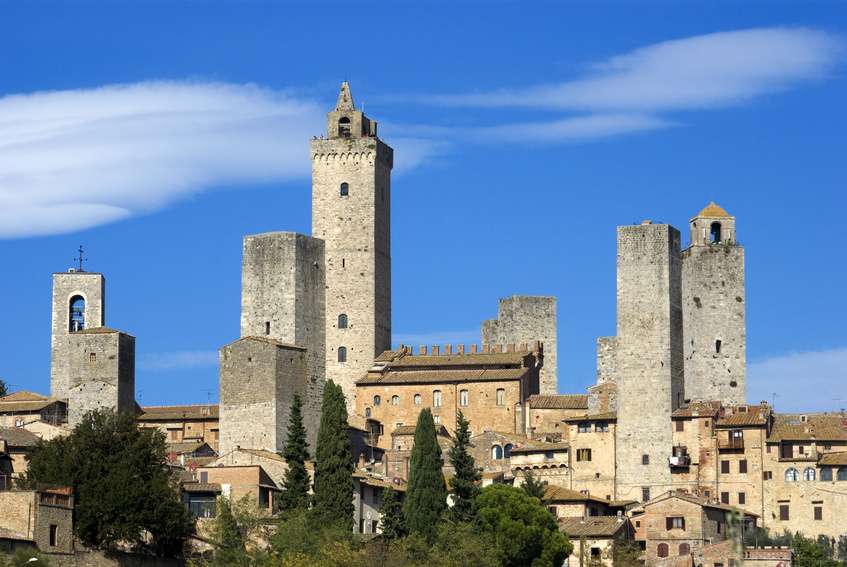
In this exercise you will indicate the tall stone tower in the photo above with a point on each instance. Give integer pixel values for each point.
(351, 212)
(282, 299)
(101, 366)
(713, 309)
(524, 319)
(648, 356)
(78, 303)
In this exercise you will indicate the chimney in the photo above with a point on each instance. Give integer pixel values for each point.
(510, 347)
(448, 349)
(522, 347)
(422, 350)
(460, 349)
(473, 348)
(436, 350)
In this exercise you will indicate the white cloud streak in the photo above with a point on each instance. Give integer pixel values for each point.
(802, 381)
(70, 160)
(704, 71)
(178, 360)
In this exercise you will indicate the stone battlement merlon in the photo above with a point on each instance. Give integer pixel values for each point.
(461, 350)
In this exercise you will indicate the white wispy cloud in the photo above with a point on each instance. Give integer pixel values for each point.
(74, 159)
(436, 338)
(802, 381)
(177, 360)
(703, 71)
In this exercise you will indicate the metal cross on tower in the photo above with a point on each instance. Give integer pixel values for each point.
(81, 258)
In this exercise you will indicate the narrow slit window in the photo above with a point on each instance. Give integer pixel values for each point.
(718, 346)
(267, 327)
(345, 189)
(342, 321)
(342, 354)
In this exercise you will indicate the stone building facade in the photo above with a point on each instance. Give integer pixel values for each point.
(79, 302)
(526, 319)
(258, 376)
(713, 309)
(43, 517)
(351, 213)
(648, 356)
(197, 423)
(546, 415)
(101, 370)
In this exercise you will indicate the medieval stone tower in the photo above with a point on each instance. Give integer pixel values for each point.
(713, 309)
(525, 319)
(648, 356)
(78, 303)
(351, 213)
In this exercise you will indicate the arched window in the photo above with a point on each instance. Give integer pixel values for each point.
(662, 550)
(841, 474)
(715, 233)
(809, 474)
(367, 412)
(345, 189)
(77, 316)
(342, 354)
(684, 549)
(507, 450)
(826, 473)
(436, 398)
(792, 475)
(342, 321)
(496, 452)
(417, 399)
(344, 127)
(464, 396)
(377, 400)
(501, 396)
(395, 400)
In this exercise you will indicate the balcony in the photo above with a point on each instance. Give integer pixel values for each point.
(680, 457)
(731, 444)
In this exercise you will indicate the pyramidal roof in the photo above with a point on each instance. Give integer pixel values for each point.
(713, 210)
(345, 98)
(23, 396)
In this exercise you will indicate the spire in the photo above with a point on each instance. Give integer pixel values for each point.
(345, 99)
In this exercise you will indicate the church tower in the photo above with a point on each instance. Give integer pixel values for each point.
(351, 212)
(78, 304)
(713, 309)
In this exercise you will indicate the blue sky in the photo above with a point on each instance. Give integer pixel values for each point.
(158, 134)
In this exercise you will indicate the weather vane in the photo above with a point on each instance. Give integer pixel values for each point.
(81, 258)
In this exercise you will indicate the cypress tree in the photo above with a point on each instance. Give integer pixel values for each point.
(466, 476)
(391, 512)
(426, 496)
(296, 482)
(334, 462)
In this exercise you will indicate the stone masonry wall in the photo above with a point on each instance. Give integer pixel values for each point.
(524, 319)
(356, 230)
(258, 377)
(606, 359)
(649, 355)
(283, 298)
(713, 310)
(66, 285)
(101, 366)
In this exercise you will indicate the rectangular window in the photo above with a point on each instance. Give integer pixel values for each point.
(601, 427)
(680, 425)
(767, 475)
(204, 476)
(436, 398)
(583, 454)
(724, 497)
(724, 467)
(463, 398)
(818, 513)
(742, 466)
(645, 493)
(436, 419)
(742, 498)
(54, 535)
(802, 449)
(92, 357)
(583, 428)
(786, 451)
(501, 396)
(675, 523)
(783, 512)
(645, 459)
(267, 327)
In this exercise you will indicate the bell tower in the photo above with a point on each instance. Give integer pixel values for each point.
(351, 212)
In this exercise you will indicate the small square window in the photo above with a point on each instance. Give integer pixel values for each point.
(645, 459)
(742, 498)
(92, 357)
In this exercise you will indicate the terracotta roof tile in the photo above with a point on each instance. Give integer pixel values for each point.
(833, 459)
(561, 401)
(169, 413)
(23, 396)
(713, 210)
(562, 494)
(750, 416)
(797, 427)
(17, 437)
(410, 430)
(446, 375)
(537, 446)
(605, 416)
(595, 526)
(695, 409)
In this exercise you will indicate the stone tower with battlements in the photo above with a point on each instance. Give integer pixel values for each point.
(351, 213)
(648, 356)
(713, 299)
(526, 319)
(79, 302)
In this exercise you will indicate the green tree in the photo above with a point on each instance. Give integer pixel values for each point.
(26, 558)
(533, 487)
(426, 493)
(391, 512)
(466, 477)
(524, 531)
(3, 389)
(626, 553)
(334, 461)
(296, 452)
(809, 553)
(229, 541)
(121, 486)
